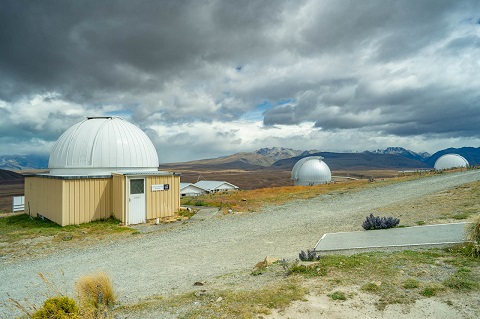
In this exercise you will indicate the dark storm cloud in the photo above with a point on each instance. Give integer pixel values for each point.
(401, 68)
(83, 48)
(89, 49)
(413, 70)
(284, 114)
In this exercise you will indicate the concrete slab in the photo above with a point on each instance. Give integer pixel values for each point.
(393, 238)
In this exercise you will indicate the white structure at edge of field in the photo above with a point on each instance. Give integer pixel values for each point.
(449, 161)
(189, 189)
(103, 167)
(311, 170)
(216, 186)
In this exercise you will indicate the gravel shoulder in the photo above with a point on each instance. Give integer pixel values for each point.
(171, 261)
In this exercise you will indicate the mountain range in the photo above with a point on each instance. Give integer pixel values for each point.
(396, 158)
(284, 158)
(22, 162)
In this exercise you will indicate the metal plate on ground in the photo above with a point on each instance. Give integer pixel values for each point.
(428, 235)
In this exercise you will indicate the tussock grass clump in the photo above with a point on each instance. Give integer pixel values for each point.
(411, 283)
(95, 292)
(431, 290)
(60, 307)
(370, 287)
(473, 236)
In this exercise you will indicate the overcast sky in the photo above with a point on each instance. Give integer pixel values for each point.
(211, 78)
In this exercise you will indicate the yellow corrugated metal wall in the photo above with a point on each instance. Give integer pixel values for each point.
(119, 197)
(162, 203)
(77, 201)
(44, 196)
(176, 194)
(85, 200)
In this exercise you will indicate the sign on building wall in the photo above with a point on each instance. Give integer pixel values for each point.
(160, 187)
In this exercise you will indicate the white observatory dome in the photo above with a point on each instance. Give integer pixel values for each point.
(100, 146)
(448, 161)
(311, 171)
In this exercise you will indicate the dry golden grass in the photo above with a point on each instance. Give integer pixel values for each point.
(473, 235)
(474, 231)
(254, 200)
(95, 292)
(454, 205)
(225, 303)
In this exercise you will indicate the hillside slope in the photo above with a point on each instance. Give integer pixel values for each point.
(21, 162)
(361, 161)
(7, 176)
(283, 158)
(261, 158)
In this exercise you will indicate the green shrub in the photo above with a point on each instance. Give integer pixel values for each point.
(370, 287)
(60, 307)
(411, 283)
(338, 295)
(312, 270)
(431, 290)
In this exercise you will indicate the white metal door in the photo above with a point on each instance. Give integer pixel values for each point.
(136, 199)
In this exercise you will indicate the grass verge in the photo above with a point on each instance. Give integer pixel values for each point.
(22, 234)
(224, 303)
(397, 277)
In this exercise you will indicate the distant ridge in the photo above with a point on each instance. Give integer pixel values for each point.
(360, 161)
(9, 176)
(21, 162)
(404, 153)
(279, 153)
(284, 158)
(263, 157)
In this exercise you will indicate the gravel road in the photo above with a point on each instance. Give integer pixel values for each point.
(165, 261)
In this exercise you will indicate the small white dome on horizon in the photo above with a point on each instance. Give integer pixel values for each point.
(100, 146)
(311, 170)
(448, 161)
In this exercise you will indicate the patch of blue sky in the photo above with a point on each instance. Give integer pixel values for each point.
(258, 112)
(286, 101)
(126, 114)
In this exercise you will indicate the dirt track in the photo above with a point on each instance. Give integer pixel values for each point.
(170, 261)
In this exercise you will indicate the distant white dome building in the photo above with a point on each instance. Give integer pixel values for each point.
(449, 161)
(99, 168)
(311, 170)
(102, 145)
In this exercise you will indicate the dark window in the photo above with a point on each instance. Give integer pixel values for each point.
(136, 186)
